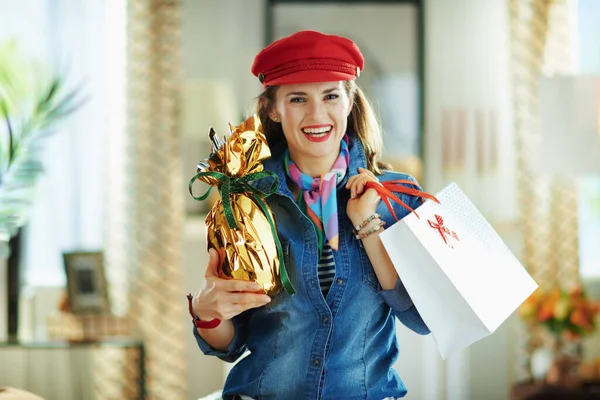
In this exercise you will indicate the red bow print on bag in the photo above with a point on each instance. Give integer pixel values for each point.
(443, 230)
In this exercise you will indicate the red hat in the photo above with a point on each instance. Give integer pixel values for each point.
(308, 56)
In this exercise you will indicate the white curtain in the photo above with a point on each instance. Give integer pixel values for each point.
(69, 36)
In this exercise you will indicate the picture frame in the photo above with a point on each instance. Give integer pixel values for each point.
(86, 283)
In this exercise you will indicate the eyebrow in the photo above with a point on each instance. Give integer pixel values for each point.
(326, 91)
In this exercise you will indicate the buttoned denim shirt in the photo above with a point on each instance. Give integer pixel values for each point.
(305, 346)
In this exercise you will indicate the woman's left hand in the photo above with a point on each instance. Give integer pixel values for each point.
(362, 203)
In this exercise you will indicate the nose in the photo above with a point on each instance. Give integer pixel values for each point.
(317, 109)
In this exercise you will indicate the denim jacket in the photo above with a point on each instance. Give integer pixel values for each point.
(305, 346)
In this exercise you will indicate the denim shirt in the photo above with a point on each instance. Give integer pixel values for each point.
(305, 346)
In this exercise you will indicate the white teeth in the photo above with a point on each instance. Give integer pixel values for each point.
(317, 132)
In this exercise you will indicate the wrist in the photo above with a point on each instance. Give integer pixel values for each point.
(201, 318)
(373, 225)
(362, 220)
(194, 311)
(371, 233)
(200, 323)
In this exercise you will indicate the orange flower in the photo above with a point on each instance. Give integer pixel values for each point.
(567, 313)
(530, 306)
(577, 293)
(548, 305)
(580, 318)
(546, 311)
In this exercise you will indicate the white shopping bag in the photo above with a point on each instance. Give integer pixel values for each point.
(462, 278)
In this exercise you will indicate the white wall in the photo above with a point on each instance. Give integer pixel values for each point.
(467, 69)
(589, 63)
(220, 40)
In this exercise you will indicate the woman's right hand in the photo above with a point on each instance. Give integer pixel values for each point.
(225, 298)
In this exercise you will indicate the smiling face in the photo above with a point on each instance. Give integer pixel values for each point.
(314, 118)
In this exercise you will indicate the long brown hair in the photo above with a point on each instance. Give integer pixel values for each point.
(361, 121)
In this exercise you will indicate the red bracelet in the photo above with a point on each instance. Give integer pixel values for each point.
(197, 321)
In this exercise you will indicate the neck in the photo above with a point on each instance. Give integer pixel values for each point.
(314, 167)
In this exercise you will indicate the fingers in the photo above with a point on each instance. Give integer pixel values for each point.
(224, 299)
(248, 298)
(236, 285)
(356, 184)
(214, 263)
(222, 257)
(363, 201)
(368, 172)
(228, 305)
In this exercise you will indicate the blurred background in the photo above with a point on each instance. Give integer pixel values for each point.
(500, 96)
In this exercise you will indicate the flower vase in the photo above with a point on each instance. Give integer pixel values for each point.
(540, 363)
(563, 369)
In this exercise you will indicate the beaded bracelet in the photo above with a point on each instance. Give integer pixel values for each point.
(374, 229)
(365, 222)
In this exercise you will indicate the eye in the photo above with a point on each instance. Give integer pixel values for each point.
(296, 100)
(332, 96)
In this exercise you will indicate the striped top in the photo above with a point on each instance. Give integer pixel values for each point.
(326, 269)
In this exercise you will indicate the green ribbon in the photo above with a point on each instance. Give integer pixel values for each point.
(228, 186)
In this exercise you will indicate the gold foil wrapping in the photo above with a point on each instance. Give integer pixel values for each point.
(250, 248)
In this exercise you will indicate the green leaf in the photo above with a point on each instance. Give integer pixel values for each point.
(29, 116)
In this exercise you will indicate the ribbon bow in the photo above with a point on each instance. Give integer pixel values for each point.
(228, 186)
(443, 230)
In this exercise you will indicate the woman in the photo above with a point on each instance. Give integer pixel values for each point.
(334, 338)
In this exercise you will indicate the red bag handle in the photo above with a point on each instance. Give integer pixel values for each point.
(385, 189)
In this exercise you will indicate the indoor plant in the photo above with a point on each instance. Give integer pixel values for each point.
(563, 316)
(32, 103)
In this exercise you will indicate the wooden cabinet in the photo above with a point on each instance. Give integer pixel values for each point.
(95, 370)
(539, 391)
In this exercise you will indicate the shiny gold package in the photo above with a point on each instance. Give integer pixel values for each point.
(241, 221)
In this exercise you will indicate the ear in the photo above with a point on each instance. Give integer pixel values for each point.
(270, 113)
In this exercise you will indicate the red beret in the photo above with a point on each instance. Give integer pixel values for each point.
(308, 56)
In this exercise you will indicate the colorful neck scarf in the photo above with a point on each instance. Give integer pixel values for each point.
(319, 199)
